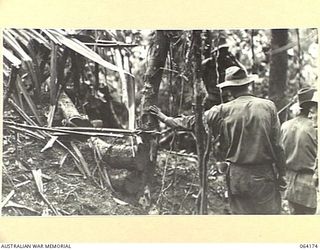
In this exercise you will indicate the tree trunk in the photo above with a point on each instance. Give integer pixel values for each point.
(278, 70)
(158, 51)
(199, 127)
(209, 75)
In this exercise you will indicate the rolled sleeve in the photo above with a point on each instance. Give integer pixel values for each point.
(184, 122)
(213, 120)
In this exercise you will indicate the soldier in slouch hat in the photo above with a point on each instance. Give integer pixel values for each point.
(249, 132)
(299, 137)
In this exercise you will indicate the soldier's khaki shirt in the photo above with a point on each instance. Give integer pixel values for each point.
(249, 128)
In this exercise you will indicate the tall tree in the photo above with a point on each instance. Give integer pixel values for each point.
(199, 127)
(158, 51)
(278, 69)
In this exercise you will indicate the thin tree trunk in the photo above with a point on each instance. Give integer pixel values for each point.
(278, 70)
(209, 74)
(158, 51)
(199, 127)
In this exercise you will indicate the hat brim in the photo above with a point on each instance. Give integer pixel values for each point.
(308, 103)
(240, 82)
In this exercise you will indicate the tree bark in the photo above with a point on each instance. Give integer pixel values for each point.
(199, 127)
(278, 70)
(159, 48)
(158, 51)
(209, 75)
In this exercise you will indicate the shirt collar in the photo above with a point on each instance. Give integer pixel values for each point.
(243, 94)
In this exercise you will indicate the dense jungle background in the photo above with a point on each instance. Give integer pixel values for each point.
(77, 135)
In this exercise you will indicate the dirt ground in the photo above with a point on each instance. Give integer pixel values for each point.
(174, 190)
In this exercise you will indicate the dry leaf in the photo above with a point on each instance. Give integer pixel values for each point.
(38, 179)
(49, 143)
(63, 159)
(120, 202)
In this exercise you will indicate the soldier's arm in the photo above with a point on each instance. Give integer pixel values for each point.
(277, 144)
(185, 122)
(210, 119)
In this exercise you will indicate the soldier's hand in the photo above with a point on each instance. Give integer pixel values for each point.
(154, 110)
(282, 183)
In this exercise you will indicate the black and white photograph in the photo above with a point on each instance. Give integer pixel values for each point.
(160, 122)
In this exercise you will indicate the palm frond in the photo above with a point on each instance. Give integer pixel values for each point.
(16, 62)
(14, 45)
(82, 49)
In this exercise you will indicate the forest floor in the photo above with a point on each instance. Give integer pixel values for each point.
(65, 191)
(174, 190)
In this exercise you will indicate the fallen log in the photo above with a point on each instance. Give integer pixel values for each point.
(71, 113)
(126, 154)
(118, 153)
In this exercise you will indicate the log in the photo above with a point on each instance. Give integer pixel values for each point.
(71, 113)
(118, 153)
